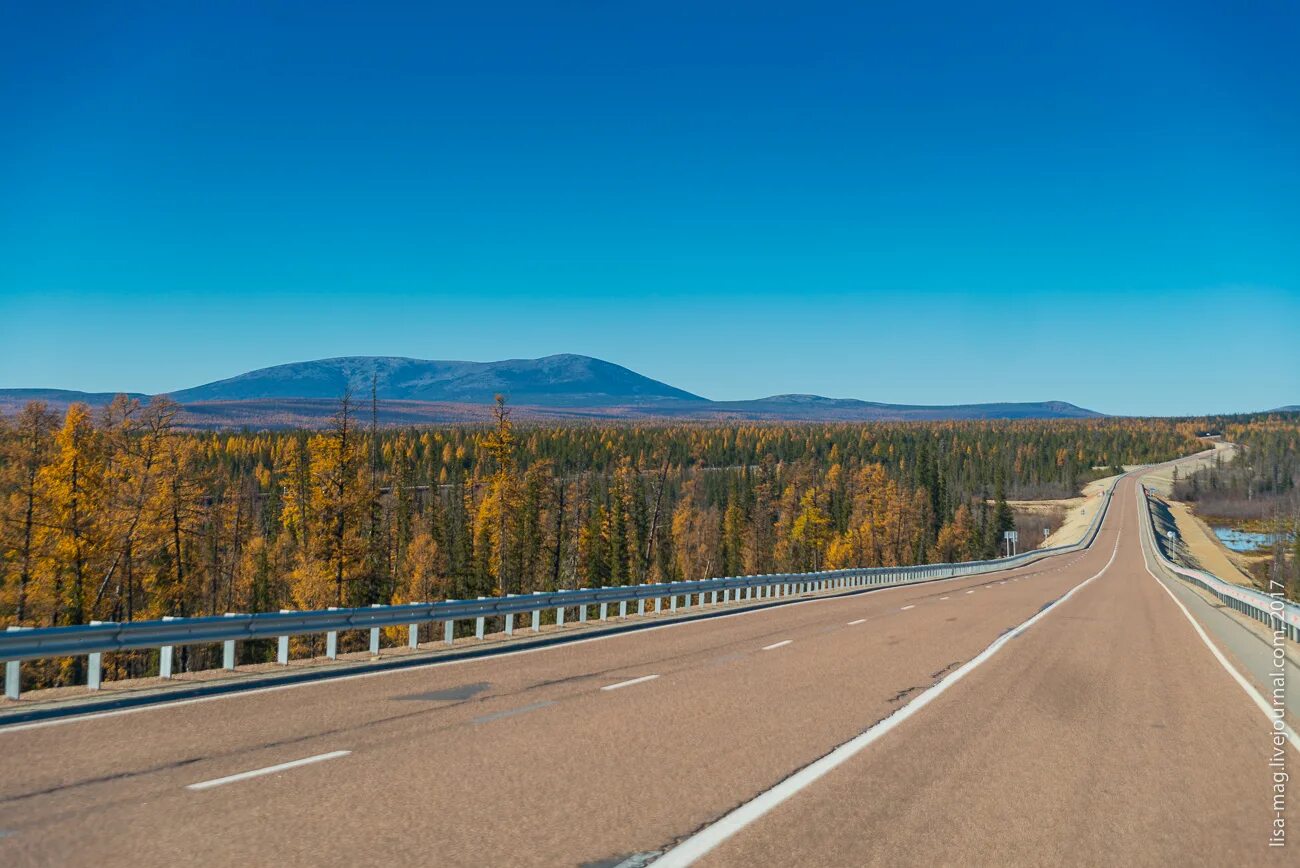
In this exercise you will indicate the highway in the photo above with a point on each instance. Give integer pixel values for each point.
(1065, 712)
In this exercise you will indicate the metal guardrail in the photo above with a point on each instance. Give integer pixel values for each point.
(1276, 612)
(95, 639)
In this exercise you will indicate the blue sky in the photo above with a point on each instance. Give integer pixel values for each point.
(922, 203)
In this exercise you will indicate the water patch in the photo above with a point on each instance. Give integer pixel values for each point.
(1244, 540)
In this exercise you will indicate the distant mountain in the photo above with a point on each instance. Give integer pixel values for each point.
(815, 407)
(10, 398)
(553, 381)
(554, 388)
(1290, 408)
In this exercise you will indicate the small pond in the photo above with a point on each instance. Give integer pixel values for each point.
(1244, 540)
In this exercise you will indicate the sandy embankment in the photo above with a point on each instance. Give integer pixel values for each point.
(1197, 535)
(1079, 512)
(1206, 547)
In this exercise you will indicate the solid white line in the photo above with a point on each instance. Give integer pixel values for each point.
(859, 621)
(1254, 694)
(777, 644)
(705, 840)
(643, 678)
(269, 770)
(905, 608)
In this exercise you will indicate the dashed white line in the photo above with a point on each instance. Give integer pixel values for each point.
(971, 591)
(269, 770)
(706, 839)
(629, 683)
(777, 644)
(855, 623)
(945, 598)
(905, 608)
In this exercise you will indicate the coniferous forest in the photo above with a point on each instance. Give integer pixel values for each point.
(118, 514)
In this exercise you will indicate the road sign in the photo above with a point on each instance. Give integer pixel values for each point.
(1012, 535)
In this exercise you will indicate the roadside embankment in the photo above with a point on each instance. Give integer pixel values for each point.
(1079, 512)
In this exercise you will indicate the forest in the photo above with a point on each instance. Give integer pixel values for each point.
(1259, 490)
(120, 514)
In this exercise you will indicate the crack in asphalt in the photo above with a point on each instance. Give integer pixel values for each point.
(945, 670)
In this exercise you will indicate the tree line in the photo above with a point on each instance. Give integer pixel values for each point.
(119, 514)
(1258, 490)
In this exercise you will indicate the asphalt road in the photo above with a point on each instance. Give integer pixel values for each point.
(1104, 733)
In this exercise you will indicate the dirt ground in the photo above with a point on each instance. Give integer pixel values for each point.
(1206, 548)
(1079, 512)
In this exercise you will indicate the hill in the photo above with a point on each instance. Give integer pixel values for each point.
(554, 388)
(554, 381)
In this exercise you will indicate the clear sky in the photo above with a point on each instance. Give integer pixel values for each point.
(915, 202)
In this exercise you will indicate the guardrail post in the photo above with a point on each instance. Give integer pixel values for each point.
(413, 636)
(94, 666)
(640, 606)
(14, 672)
(537, 620)
(672, 603)
(604, 611)
(449, 631)
(282, 651)
(165, 654)
(332, 640)
(559, 617)
(510, 623)
(622, 608)
(374, 635)
(479, 624)
(582, 613)
(228, 649)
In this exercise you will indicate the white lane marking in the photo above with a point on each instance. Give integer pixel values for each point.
(905, 608)
(705, 840)
(945, 598)
(859, 621)
(336, 679)
(777, 644)
(630, 682)
(971, 591)
(1254, 694)
(269, 770)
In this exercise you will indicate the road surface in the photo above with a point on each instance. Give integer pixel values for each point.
(1104, 732)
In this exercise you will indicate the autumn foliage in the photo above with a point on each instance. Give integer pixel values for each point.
(120, 515)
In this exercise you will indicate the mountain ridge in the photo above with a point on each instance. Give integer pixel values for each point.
(558, 387)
